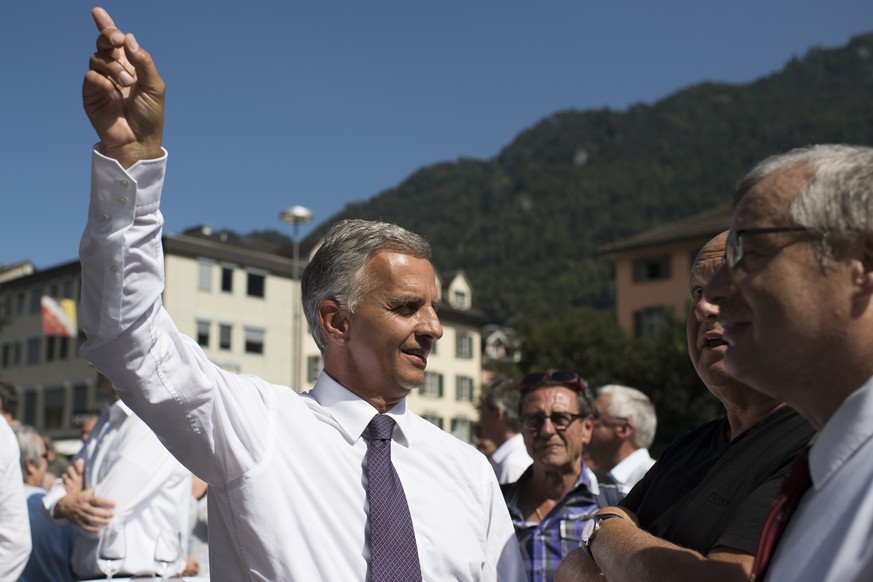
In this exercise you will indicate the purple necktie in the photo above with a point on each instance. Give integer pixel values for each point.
(393, 552)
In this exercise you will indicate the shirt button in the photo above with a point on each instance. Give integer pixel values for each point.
(124, 183)
(122, 201)
(113, 268)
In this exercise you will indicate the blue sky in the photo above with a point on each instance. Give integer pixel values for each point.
(276, 103)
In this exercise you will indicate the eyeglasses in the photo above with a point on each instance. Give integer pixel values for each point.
(566, 378)
(733, 252)
(560, 420)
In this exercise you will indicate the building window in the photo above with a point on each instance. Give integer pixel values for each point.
(63, 348)
(314, 365)
(204, 279)
(30, 407)
(53, 408)
(255, 287)
(7, 353)
(463, 429)
(224, 336)
(463, 389)
(651, 269)
(203, 332)
(459, 300)
(33, 351)
(464, 347)
(68, 289)
(254, 340)
(19, 303)
(50, 348)
(227, 279)
(433, 385)
(433, 419)
(36, 300)
(80, 398)
(16, 354)
(649, 321)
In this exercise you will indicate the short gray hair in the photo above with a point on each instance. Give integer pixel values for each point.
(31, 445)
(635, 406)
(837, 198)
(336, 271)
(503, 394)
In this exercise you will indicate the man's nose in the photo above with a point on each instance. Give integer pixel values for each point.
(719, 288)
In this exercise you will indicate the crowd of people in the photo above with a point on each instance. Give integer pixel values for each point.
(345, 483)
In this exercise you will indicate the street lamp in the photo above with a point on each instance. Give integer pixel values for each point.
(296, 215)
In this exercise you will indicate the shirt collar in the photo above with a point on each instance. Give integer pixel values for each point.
(352, 413)
(503, 451)
(628, 466)
(118, 410)
(844, 433)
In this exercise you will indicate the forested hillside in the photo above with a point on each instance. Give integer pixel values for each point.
(525, 225)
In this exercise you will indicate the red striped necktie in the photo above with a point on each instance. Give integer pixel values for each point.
(793, 487)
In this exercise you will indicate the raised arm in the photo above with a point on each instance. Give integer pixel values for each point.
(123, 95)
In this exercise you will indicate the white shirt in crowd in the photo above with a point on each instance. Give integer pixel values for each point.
(287, 498)
(14, 521)
(631, 469)
(510, 460)
(125, 462)
(830, 537)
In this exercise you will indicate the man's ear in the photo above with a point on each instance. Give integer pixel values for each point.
(334, 319)
(30, 467)
(867, 262)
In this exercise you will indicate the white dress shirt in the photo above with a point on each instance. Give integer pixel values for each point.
(287, 497)
(510, 460)
(14, 522)
(125, 462)
(830, 537)
(631, 469)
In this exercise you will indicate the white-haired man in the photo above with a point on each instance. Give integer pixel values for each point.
(624, 428)
(795, 297)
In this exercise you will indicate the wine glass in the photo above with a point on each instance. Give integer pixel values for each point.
(111, 550)
(168, 552)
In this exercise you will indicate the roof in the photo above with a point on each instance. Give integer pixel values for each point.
(703, 225)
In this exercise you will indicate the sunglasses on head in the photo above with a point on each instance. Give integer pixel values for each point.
(563, 377)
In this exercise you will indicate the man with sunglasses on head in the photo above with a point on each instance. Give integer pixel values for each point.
(699, 511)
(554, 499)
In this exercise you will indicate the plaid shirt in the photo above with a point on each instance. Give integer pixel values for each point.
(543, 545)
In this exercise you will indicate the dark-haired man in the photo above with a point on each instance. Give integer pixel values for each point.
(554, 499)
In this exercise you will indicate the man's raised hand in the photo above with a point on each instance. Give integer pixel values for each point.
(123, 95)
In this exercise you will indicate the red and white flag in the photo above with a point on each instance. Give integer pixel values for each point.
(59, 317)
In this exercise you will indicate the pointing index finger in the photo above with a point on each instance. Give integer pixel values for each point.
(101, 19)
(107, 27)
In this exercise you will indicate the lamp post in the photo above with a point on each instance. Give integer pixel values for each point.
(296, 215)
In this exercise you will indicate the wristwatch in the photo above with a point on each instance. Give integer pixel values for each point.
(591, 527)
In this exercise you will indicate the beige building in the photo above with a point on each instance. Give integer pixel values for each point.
(651, 269)
(236, 302)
